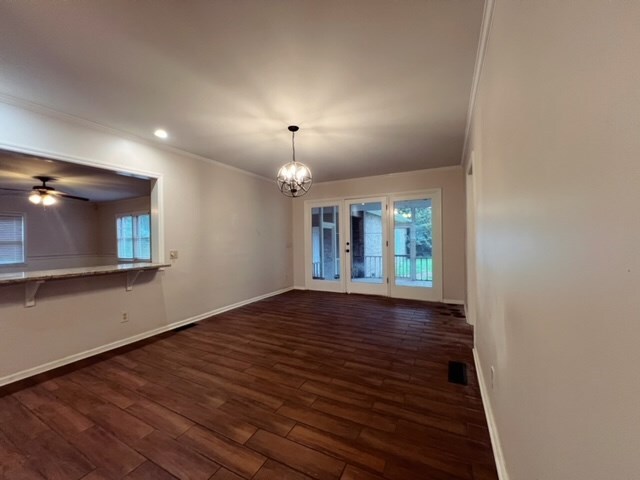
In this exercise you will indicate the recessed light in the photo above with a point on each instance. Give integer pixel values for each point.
(160, 133)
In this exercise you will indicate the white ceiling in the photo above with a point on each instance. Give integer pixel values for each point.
(377, 86)
(98, 185)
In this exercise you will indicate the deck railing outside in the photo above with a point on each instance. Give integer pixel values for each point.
(423, 268)
(370, 266)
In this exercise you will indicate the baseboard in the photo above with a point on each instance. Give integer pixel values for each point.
(501, 466)
(299, 287)
(136, 338)
(470, 321)
(453, 302)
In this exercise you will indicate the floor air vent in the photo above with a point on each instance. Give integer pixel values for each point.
(185, 327)
(458, 373)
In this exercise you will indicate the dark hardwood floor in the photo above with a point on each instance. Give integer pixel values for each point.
(298, 386)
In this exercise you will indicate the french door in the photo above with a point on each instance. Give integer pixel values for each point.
(415, 249)
(366, 246)
(324, 246)
(388, 245)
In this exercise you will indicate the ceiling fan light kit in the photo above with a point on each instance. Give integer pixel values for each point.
(44, 194)
(35, 197)
(45, 199)
(294, 178)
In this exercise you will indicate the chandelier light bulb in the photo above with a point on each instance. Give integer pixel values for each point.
(48, 200)
(35, 198)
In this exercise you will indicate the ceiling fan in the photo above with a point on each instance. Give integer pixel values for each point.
(44, 193)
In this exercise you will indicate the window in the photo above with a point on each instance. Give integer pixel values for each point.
(134, 237)
(11, 238)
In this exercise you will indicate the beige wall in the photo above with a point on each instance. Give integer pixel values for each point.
(63, 235)
(232, 231)
(450, 180)
(557, 172)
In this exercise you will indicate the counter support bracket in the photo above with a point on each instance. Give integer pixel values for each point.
(131, 279)
(30, 290)
(33, 279)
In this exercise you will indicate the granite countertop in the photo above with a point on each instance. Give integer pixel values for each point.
(40, 275)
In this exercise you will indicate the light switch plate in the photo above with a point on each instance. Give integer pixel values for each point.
(173, 254)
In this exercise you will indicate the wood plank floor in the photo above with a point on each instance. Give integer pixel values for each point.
(299, 386)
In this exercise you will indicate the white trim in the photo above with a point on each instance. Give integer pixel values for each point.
(113, 167)
(466, 316)
(51, 112)
(299, 287)
(408, 194)
(141, 336)
(487, 18)
(453, 302)
(501, 466)
(470, 242)
(157, 220)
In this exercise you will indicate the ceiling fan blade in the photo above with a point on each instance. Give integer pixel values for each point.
(14, 189)
(72, 197)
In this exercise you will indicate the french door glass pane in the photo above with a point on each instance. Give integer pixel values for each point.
(412, 234)
(366, 242)
(325, 241)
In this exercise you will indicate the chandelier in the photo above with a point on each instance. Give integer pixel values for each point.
(294, 178)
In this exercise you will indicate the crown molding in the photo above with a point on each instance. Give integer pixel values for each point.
(485, 29)
(74, 119)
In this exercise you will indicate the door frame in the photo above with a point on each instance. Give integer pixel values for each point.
(471, 247)
(433, 294)
(310, 282)
(342, 202)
